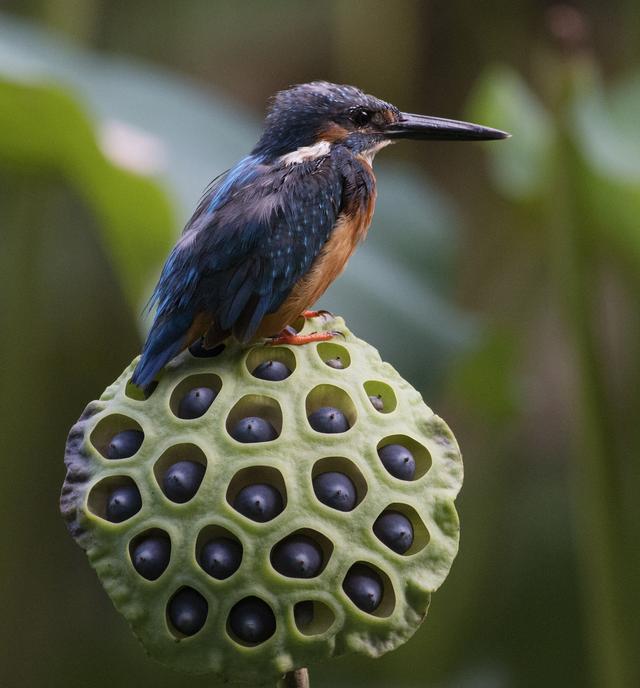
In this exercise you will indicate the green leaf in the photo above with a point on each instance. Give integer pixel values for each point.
(43, 129)
(611, 209)
(520, 166)
(605, 126)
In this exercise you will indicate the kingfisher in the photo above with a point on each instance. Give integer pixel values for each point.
(271, 234)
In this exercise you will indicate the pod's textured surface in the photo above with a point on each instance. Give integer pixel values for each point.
(327, 622)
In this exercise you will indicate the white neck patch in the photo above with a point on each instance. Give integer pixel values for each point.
(369, 154)
(304, 153)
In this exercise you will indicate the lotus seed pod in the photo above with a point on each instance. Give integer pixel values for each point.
(214, 583)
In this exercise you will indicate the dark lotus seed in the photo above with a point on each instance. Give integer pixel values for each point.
(303, 613)
(197, 349)
(187, 611)
(258, 502)
(398, 460)
(252, 620)
(329, 419)
(195, 402)
(123, 503)
(395, 530)
(271, 370)
(364, 586)
(124, 444)
(335, 490)
(182, 480)
(377, 403)
(221, 557)
(335, 363)
(151, 556)
(254, 429)
(297, 556)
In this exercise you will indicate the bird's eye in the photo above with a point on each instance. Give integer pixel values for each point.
(360, 116)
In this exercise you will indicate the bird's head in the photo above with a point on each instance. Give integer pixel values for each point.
(321, 114)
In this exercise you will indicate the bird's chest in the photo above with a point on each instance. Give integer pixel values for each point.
(350, 229)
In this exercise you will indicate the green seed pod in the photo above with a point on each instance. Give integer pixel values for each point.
(147, 492)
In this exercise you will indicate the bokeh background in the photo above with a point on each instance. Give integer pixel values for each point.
(502, 279)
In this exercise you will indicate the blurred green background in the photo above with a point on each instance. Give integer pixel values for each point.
(502, 279)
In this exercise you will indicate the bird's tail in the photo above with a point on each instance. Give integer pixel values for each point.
(166, 339)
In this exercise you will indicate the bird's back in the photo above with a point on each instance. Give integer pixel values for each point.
(266, 240)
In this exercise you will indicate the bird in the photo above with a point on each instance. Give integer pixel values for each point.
(271, 234)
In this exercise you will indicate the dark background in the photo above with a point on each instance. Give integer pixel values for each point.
(501, 279)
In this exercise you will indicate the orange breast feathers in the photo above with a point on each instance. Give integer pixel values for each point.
(350, 229)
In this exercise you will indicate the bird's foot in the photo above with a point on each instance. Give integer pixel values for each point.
(294, 339)
(326, 315)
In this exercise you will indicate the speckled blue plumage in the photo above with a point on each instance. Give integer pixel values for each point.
(257, 230)
(255, 233)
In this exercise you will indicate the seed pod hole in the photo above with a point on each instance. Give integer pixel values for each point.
(394, 464)
(150, 553)
(186, 612)
(117, 437)
(255, 418)
(273, 363)
(312, 617)
(198, 350)
(381, 396)
(302, 554)
(258, 493)
(420, 533)
(329, 490)
(180, 471)
(218, 551)
(138, 393)
(330, 410)
(251, 621)
(193, 396)
(369, 589)
(333, 355)
(115, 499)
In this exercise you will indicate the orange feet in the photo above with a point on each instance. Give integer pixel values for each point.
(288, 337)
(317, 314)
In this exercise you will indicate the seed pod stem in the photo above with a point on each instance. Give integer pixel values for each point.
(295, 679)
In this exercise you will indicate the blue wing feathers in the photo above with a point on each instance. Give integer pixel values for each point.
(245, 171)
(165, 341)
(254, 234)
(240, 289)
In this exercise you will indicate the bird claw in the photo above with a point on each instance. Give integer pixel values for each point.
(298, 339)
(322, 313)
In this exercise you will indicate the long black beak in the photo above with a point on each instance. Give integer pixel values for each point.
(438, 129)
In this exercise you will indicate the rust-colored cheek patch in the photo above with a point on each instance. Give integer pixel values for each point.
(333, 132)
